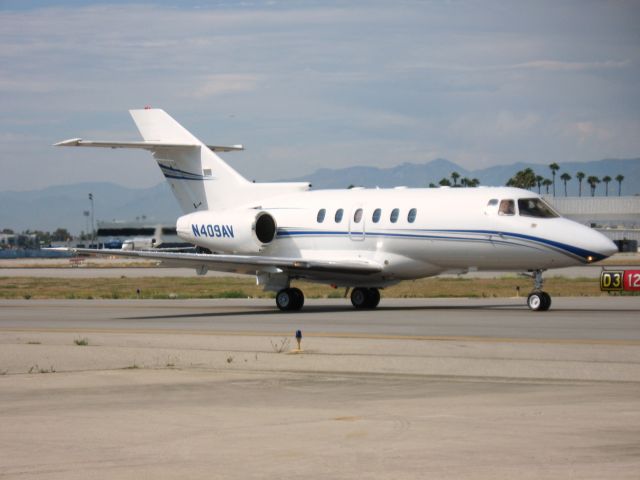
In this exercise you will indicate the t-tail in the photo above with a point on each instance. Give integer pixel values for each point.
(199, 178)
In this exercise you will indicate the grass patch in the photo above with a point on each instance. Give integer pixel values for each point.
(37, 369)
(171, 362)
(281, 346)
(243, 287)
(233, 294)
(335, 294)
(83, 342)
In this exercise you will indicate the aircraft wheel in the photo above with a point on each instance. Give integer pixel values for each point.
(359, 297)
(298, 297)
(546, 301)
(539, 301)
(374, 298)
(365, 297)
(290, 299)
(284, 299)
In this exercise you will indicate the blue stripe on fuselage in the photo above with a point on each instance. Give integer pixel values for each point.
(563, 248)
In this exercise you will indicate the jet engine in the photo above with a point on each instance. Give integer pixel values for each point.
(231, 231)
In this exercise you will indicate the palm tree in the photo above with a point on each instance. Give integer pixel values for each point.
(474, 182)
(455, 176)
(554, 168)
(593, 181)
(539, 179)
(464, 181)
(565, 177)
(444, 182)
(547, 183)
(606, 179)
(619, 179)
(580, 176)
(523, 179)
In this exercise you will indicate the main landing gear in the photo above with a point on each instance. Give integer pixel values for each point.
(292, 299)
(538, 300)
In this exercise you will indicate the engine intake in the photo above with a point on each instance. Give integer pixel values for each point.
(265, 228)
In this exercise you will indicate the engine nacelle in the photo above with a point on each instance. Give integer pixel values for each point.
(231, 231)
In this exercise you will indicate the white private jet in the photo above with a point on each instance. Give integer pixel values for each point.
(362, 239)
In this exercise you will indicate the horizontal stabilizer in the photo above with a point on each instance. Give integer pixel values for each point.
(78, 142)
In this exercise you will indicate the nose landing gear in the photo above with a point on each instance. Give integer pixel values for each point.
(538, 300)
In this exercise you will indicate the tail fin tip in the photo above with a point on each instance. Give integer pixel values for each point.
(157, 125)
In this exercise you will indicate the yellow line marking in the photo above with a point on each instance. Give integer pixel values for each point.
(357, 336)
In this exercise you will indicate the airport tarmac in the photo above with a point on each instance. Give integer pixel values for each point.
(440, 388)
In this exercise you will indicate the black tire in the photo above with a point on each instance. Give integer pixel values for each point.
(359, 297)
(298, 298)
(365, 298)
(539, 301)
(290, 299)
(374, 297)
(284, 299)
(546, 301)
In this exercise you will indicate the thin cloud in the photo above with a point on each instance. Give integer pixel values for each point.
(560, 66)
(221, 84)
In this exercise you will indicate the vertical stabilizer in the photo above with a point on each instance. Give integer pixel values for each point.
(199, 179)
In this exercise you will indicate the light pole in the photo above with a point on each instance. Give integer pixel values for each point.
(86, 214)
(93, 230)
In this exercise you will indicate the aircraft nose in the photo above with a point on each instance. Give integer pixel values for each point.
(600, 245)
(609, 248)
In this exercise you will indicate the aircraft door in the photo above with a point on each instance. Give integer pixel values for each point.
(356, 224)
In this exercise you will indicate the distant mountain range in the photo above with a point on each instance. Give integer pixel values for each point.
(63, 206)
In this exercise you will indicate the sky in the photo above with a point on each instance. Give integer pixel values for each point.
(311, 84)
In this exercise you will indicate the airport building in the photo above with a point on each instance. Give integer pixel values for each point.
(137, 235)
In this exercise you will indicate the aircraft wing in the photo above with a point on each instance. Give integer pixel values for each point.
(248, 264)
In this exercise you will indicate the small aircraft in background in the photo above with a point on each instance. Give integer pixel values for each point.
(362, 239)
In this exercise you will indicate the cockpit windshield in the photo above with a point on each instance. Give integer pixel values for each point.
(535, 207)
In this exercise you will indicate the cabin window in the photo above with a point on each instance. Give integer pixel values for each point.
(493, 202)
(411, 217)
(395, 213)
(535, 207)
(357, 216)
(321, 214)
(339, 214)
(375, 218)
(507, 207)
